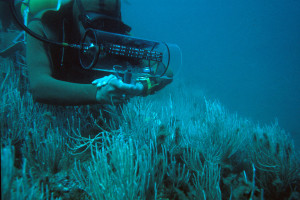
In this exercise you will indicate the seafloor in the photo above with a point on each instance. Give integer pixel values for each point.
(175, 144)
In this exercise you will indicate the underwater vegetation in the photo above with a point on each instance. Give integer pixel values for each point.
(175, 144)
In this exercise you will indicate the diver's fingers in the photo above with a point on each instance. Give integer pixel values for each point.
(128, 89)
(105, 78)
(103, 81)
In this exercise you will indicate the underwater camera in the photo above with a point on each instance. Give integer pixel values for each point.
(127, 56)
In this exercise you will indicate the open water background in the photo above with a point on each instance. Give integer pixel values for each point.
(245, 53)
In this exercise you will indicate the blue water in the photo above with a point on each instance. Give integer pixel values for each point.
(244, 53)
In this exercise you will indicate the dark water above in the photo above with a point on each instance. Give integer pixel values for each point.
(244, 53)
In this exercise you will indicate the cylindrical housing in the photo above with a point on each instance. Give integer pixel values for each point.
(103, 50)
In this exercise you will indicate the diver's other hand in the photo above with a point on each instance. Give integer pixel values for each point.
(111, 90)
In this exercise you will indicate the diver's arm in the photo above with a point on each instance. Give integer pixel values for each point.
(44, 87)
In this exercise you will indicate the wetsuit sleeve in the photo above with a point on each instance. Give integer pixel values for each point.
(44, 87)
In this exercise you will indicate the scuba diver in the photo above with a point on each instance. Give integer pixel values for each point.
(58, 74)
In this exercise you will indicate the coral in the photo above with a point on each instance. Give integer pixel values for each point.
(45, 153)
(277, 162)
(217, 135)
(7, 171)
(14, 186)
(172, 145)
(115, 173)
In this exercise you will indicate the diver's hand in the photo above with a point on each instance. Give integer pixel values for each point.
(111, 90)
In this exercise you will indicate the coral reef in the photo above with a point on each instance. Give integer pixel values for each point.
(172, 145)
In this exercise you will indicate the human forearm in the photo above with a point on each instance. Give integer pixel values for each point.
(52, 91)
